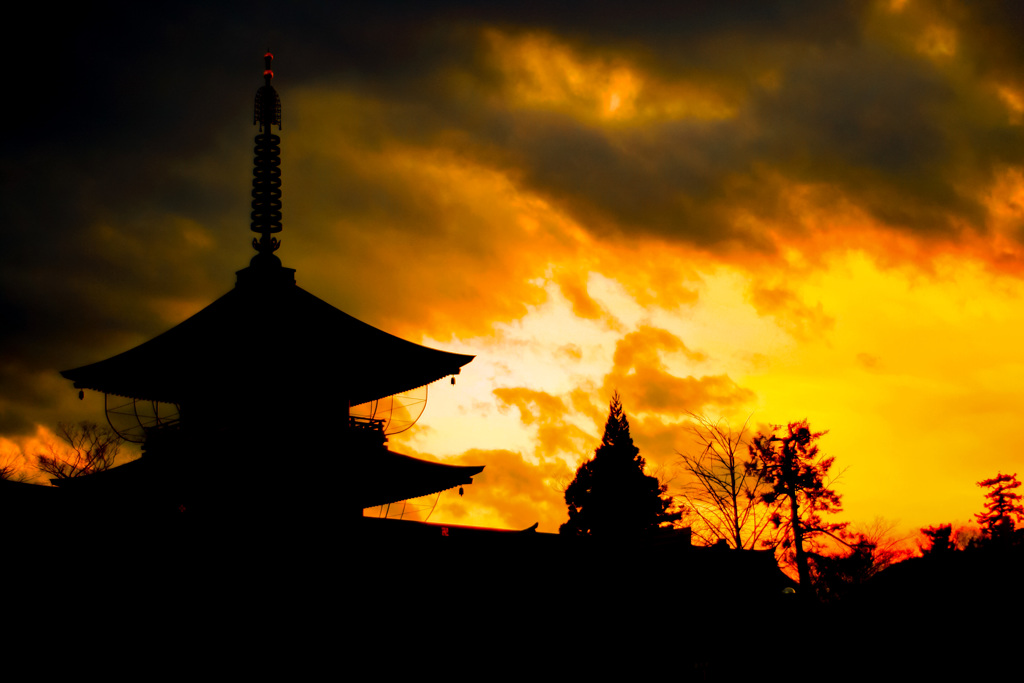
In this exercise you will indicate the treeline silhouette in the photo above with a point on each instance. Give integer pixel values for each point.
(622, 569)
(867, 603)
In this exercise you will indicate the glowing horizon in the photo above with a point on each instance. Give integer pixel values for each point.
(815, 215)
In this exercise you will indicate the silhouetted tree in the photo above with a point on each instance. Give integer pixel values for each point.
(87, 448)
(967, 537)
(790, 464)
(8, 468)
(832, 574)
(611, 496)
(1002, 507)
(937, 540)
(725, 496)
(12, 469)
(862, 555)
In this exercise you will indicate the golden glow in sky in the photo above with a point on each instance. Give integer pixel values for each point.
(774, 217)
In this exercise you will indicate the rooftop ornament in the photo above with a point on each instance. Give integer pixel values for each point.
(266, 178)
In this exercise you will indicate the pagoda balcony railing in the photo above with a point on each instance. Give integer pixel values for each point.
(366, 423)
(366, 432)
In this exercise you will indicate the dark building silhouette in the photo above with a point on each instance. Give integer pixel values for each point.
(256, 467)
(243, 409)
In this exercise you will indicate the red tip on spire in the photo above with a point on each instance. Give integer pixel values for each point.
(267, 72)
(268, 104)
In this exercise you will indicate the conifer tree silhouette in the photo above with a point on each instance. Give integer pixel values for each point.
(937, 540)
(1002, 507)
(611, 496)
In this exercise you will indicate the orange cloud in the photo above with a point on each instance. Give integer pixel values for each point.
(800, 320)
(534, 406)
(544, 72)
(555, 433)
(869, 361)
(641, 375)
(574, 289)
(511, 492)
(664, 393)
(461, 179)
(645, 347)
(19, 455)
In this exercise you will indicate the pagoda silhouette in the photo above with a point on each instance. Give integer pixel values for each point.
(244, 410)
(264, 421)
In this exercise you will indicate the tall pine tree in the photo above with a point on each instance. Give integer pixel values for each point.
(611, 496)
(1002, 508)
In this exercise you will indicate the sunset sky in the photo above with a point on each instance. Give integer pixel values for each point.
(786, 211)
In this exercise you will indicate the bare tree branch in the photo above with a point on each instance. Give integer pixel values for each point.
(86, 448)
(723, 494)
(8, 467)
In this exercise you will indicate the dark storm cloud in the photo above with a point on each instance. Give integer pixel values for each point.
(894, 132)
(994, 35)
(693, 28)
(655, 182)
(889, 131)
(125, 169)
(92, 183)
(892, 135)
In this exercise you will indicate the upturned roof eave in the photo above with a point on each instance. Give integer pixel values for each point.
(308, 336)
(409, 477)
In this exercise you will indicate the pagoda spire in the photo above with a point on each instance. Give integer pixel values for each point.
(266, 180)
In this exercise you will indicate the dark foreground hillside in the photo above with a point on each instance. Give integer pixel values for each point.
(369, 604)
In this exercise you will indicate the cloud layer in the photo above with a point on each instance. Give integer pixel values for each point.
(706, 209)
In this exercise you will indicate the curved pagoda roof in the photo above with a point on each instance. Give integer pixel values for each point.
(268, 333)
(384, 477)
